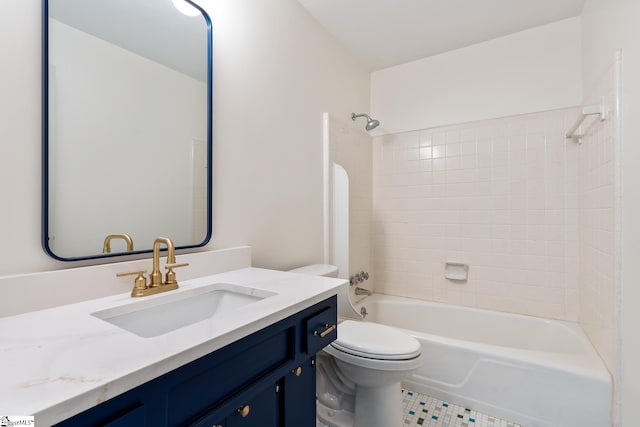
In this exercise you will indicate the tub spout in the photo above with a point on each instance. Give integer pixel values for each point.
(363, 291)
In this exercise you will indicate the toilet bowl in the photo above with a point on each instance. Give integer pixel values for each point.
(359, 374)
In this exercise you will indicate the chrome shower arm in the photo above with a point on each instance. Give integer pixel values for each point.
(371, 123)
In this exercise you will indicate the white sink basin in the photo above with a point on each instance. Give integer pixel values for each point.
(176, 309)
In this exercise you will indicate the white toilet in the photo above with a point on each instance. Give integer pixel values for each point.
(359, 374)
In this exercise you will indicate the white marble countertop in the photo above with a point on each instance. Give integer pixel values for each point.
(58, 362)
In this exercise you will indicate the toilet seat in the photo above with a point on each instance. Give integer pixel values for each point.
(375, 341)
(375, 346)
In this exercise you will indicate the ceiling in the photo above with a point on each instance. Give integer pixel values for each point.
(384, 33)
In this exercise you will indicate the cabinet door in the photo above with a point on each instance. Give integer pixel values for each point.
(254, 408)
(262, 410)
(300, 395)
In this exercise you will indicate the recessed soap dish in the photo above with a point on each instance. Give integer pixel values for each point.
(456, 271)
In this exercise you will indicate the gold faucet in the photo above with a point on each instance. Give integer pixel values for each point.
(106, 246)
(156, 286)
(156, 275)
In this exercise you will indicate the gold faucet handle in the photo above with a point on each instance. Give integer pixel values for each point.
(140, 282)
(131, 273)
(172, 266)
(170, 278)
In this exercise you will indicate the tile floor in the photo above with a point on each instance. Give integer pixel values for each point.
(426, 411)
(422, 410)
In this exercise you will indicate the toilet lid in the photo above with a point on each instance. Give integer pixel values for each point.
(375, 341)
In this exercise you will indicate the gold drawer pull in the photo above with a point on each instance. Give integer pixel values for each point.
(297, 372)
(327, 330)
(244, 410)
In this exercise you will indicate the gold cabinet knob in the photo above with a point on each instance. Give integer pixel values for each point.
(297, 372)
(243, 410)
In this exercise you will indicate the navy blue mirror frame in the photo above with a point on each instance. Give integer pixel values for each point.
(45, 143)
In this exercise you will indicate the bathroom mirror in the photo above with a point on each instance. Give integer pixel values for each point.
(126, 126)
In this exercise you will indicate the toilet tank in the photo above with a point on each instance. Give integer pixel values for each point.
(326, 270)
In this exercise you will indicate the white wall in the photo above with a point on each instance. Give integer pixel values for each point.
(608, 26)
(533, 70)
(275, 71)
(20, 129)
(630, 293)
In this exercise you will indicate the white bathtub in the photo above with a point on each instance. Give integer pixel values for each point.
(533, 371)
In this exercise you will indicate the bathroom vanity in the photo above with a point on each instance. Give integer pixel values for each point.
(265, 379)
(90, 363)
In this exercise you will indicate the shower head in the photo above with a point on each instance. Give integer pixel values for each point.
(371, 123)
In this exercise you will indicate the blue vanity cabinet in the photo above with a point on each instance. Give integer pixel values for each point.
(259, 408)
(285, 403)
(300, 412)
(266, 379)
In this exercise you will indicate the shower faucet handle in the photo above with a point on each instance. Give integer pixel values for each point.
(358, 278)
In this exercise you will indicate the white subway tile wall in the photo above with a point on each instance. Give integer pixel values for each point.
(599, 205)
(499, 195)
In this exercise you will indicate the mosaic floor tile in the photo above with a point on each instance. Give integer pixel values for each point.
(426, 411)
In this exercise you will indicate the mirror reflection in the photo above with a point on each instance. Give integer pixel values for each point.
(127, 126)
